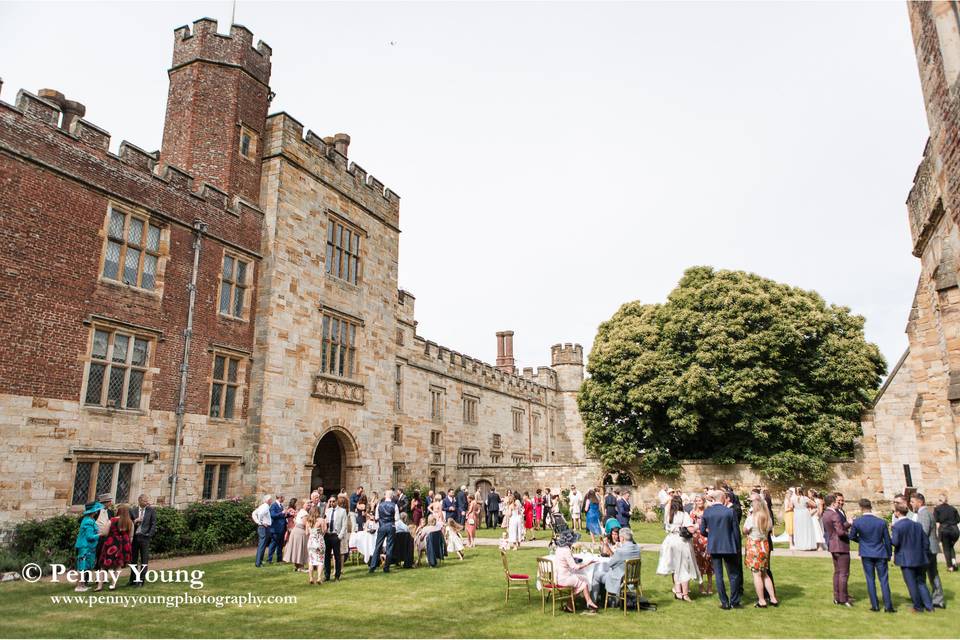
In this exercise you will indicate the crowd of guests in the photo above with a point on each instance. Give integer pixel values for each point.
(707, 534)
(709, 538)
(112, 537)
(314, 536)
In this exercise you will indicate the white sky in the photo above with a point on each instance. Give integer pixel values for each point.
(557, 160)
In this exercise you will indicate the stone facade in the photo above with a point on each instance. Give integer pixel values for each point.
(317, 356)
(916, 420)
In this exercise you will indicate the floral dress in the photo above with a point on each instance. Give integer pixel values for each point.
(316, 548)
(117, 550)
(704, 562)
(757, 557)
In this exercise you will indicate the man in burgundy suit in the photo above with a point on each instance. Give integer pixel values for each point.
(835, 530)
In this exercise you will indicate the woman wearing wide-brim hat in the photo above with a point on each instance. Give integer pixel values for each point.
(87, 538)
(569, 573)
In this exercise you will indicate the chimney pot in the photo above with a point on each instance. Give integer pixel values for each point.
(71, 109)
(341, 143)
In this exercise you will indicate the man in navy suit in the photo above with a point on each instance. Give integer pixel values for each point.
(462, 506)
(910, 545)
(386, 518)
(722, 529)
(870, 530)
(449, 506)
(278, 527)
(623, 510)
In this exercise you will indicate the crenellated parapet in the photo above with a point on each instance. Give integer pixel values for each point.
(923, 203)
(450, 363)
(561, 354)
(324, 161)
(203, 43)
(30, 131)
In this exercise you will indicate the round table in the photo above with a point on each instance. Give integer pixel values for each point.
(593, 573)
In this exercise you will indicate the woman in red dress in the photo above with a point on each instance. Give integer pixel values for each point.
(528, 516)
(416, 509)
(704, 562)
(117, 551)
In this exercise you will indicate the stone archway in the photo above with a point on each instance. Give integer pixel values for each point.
(484, 487)
(333, 456)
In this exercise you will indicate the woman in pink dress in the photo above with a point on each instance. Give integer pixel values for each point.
(472, 519)
(568, 572)
(538, 508)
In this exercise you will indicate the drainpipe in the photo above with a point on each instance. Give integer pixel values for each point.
(199, 228)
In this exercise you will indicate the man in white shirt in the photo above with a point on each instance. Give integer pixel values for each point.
(663, 497)
(576, 506)
(336, 531)
(261, 517)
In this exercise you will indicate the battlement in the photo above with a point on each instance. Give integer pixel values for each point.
(203, 43)
(38, 115)
(480, 372)
(566, 354)
(321, 157)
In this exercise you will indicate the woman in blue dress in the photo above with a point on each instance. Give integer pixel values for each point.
(592, 505)
(87, 538)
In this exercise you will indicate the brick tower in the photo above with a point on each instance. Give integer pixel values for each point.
(217, 107)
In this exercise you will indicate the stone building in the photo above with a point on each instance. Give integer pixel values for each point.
(222, 316)
(913, 433)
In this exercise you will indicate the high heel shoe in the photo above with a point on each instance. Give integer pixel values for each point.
(760, 606)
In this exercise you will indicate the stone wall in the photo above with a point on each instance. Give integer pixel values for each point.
(917, 418)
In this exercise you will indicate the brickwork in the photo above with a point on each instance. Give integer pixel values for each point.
(917, 419)
(308, 185)
(57, 189)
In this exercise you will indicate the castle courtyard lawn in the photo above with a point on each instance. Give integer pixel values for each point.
(464, 599)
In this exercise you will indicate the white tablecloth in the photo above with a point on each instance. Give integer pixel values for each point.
(363, 542)
(595, 570)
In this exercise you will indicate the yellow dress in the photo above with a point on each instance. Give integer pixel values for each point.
(788, 521)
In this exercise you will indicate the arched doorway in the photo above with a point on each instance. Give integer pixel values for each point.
(484, 487)
(328, 464)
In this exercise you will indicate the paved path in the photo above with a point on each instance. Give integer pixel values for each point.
(540, 543)
(655, 547)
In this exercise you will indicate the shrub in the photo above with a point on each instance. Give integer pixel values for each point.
(172, 532)
(202, 527)
(45, 541)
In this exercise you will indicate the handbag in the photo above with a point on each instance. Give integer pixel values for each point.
(103, 523)
(684, 533)
(471, 521)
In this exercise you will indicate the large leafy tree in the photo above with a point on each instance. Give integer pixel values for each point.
(733, 367)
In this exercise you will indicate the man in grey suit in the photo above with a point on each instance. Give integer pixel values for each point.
(926, 520)
(628, 550)
(144, 518)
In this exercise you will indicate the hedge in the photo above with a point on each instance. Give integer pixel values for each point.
(202, 527)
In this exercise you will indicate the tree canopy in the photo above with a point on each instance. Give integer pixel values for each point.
(733, 367)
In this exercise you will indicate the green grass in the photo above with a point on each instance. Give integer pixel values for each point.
(465, 599)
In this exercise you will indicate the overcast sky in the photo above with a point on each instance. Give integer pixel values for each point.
(557, 160)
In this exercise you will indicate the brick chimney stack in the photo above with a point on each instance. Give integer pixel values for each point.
(341, 143)
(505, 361)
(71, 109)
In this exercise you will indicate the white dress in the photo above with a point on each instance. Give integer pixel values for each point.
(818, 529)
(454, 541)
(804, 528)
(676, 553)
(515, 531)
